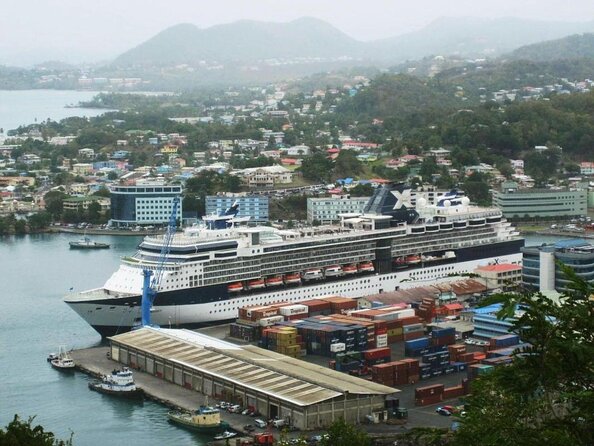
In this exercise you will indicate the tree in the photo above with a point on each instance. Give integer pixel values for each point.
(342, 433)
(94, 212)
(476, 187)
(362, 190)
(22, 433)
(54, 203)
(347, 164)
(39, 221)
(316, 167)
(546, 396)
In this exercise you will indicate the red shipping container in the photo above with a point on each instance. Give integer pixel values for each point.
(427, 401)
(413, 335)
(377, 353)
(422, 392)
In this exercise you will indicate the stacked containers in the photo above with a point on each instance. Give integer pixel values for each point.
(247, 333)
(282, 340)
(383, 374)
(426, 310)
(341, 305)
(317, 307)
(416, 347)
(476, 370)
(439, 364)
(456, 350)
(293, 312)
(443, 336)
(504, 341)
(425, 396)
(377, 356)
(453, 392)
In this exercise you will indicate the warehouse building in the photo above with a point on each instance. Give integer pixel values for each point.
(307, 396)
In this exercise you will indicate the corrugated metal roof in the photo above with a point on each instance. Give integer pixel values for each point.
(285, 378)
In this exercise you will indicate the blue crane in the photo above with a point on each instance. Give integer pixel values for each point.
(151, 287)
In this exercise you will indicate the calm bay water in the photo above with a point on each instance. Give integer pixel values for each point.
(36, 271)
(24, 107)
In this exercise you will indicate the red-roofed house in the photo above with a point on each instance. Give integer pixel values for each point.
(291, 162)
(505, 275)
(357, 146)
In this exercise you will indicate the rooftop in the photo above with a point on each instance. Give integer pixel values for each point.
(292, 380)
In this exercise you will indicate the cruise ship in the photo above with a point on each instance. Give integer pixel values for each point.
(222, 264)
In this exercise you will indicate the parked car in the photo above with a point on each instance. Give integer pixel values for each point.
(234, 408)
(442, 411)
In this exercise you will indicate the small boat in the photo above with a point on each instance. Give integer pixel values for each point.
(225, 435)
(292, 279)
(256, 284)
(235, 287)
(349, 269)
(51, 357)
(204, 419)
(333, 271)
(118, 383)
(366, 267)
(274, 281)
(87, 243)
(63, 361)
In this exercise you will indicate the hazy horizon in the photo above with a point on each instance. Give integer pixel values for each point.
(32, 32)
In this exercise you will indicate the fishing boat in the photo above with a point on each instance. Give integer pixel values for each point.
(63, 361)
(203, 419)
(119, 383)
(87, 243)
(225, 435)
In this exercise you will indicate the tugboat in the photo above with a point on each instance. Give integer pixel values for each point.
(87, 243)
(204, 419)
(119, 383)
(62, 361)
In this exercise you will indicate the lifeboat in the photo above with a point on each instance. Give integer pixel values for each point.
(312, 274)
(292, 279)
(333, 271)
(274, 281)
(349, 269)
(256, 284)
(235, 287)
(413, 259)
(366, 267)
(400, 262)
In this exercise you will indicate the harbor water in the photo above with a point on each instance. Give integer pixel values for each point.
(37, 271)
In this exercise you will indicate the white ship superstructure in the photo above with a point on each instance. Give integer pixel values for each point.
(210, 272)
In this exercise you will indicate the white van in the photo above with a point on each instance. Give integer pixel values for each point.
(260, 423)
(278, 423)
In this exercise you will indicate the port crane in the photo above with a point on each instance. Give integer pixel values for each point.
(152, 278)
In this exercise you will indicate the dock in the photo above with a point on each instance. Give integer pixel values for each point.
(96, 362)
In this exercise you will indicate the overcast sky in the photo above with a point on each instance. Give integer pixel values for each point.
(91, 30)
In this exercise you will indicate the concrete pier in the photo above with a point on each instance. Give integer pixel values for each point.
(95, 362)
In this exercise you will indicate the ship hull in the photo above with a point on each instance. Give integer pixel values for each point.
(192, 308)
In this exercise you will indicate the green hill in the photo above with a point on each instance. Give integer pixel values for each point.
(572, 47)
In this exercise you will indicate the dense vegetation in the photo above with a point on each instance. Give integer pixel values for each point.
(23, 433)
(546, 396)
(578, 46)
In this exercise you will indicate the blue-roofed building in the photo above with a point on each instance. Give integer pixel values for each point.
(487, 325)
(540, 269)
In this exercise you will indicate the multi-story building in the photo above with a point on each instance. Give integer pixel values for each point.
(253, 206)
(541, 269)
(487, 324)
(504, 276)
(146, 204)
(540, 203)
(327, 210)
(78, 203)
(267, 176)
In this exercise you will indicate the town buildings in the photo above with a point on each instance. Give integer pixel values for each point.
(253, 206)
(540, 203)
(143, 204)
(327, 210)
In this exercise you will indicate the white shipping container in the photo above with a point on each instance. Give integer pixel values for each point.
(381, 341)
(409, 312)
(291, 310)
(338, 347)
(268, 321)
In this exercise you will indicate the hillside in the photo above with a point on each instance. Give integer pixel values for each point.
(474, 37)
(250, 41)
(572, 47)
(242, 41)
